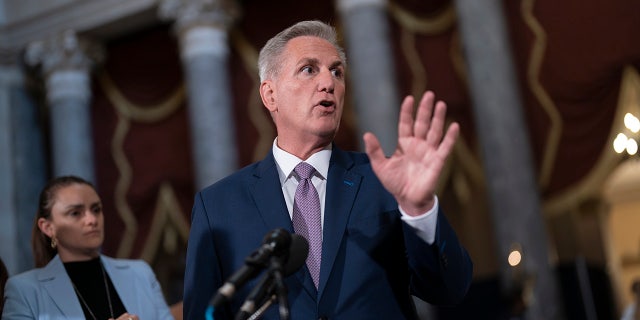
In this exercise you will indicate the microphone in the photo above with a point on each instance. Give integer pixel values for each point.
(275, 244)
(269, 282)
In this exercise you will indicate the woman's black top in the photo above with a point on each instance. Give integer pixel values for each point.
(89, 281)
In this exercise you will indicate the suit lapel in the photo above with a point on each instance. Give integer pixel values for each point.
(266, 190)
(267, 193)
(58, 286)
(342, 187)
(120, 274)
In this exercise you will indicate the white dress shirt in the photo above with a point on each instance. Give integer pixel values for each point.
(424, 224)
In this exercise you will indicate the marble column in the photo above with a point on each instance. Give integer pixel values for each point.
(202, 28)
(371, 68)
(505, 145)
(8, 213)
(65, 63)
(22, 167)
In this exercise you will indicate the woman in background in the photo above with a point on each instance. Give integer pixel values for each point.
(73, 280)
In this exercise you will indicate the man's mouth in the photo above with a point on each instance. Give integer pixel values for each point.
(327, 103)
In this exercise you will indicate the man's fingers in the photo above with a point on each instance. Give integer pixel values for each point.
(423, 116)
(449, 140)
(372, 148)
(437, 124)
(405, 123)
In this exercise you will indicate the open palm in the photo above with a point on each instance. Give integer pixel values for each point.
(411, 173)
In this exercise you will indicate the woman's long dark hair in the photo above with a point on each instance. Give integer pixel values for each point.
(40, 242)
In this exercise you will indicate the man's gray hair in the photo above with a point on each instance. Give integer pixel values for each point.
(270, 54)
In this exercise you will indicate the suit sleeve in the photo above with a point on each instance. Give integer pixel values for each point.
(441, 272)
(202, 275)
(16, 302)
(157, 298)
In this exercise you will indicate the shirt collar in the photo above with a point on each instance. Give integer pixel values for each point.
(287, 162)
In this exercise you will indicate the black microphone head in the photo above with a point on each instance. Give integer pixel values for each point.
(279, 240)
(298, 251)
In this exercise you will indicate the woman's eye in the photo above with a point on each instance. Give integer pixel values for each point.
(74, 213)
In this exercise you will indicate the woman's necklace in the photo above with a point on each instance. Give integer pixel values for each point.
(106, 287)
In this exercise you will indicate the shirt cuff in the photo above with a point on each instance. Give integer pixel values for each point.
(424, 224)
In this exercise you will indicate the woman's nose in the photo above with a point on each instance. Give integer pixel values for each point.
(90, 217)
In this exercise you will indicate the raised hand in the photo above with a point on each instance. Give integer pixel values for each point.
(411, 173)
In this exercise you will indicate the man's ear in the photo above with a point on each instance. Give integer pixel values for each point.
(267, 94)
(45, 227)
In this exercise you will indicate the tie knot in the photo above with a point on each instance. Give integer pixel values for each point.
(304, 170)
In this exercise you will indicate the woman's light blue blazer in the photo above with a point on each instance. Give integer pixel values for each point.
(46, 293)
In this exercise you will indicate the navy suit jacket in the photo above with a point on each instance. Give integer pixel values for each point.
(372, 262)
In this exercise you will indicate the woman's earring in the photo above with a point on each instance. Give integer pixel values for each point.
(54, 243)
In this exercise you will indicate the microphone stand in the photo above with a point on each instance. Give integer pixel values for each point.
(256, 315)
(281, 289)
(260, 291)
(271, 286)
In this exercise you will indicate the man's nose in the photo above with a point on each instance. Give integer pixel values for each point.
(326, 81)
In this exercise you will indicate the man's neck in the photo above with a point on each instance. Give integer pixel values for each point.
(302, 151)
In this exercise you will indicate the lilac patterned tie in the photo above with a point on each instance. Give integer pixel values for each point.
(307, 219)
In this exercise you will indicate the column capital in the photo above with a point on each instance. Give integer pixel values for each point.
(64, 51)
(196, 13)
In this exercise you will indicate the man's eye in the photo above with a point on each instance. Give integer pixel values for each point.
(307, 70)
(336, 73)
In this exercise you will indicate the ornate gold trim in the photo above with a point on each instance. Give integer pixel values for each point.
(457, 59)
(433, 25)
(418, 70)
(122, 186)
(591, 185)
(436, 24)
(126, 112)
(137, 112)
(249, 56)
(468, 161)
(167, 219)
(533, 75)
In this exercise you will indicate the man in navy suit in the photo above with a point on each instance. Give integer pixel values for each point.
(384, 237)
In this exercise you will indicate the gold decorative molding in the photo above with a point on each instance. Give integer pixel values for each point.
(533, 78)
(411, 25)
(168, 225)
(127, 112)
(122, 186)
(432, 25)
(591, 184)
(135, 112)
(457, 58)
(261, 122)
(468, 161)
(471, 173)
(418, 70)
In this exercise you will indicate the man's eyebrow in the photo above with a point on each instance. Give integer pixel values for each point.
(305, 61)
(314, 61)
(336, 64)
